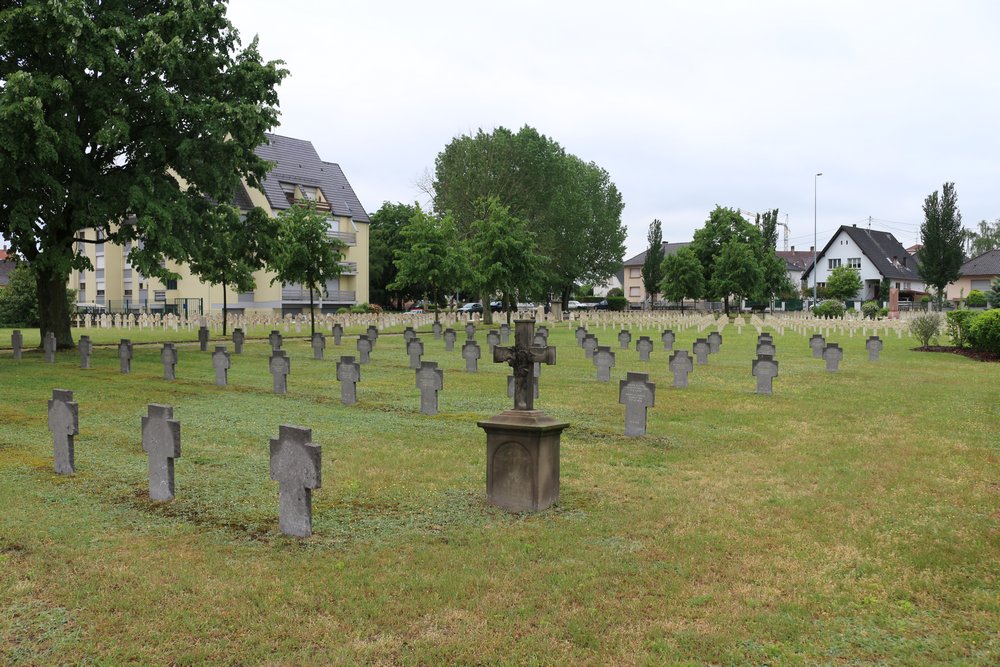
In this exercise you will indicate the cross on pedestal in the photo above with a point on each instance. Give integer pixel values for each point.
(521, 359)
(296, 464)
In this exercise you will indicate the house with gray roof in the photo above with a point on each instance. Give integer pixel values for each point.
(978, 273)
(875, 255)
(632, 285)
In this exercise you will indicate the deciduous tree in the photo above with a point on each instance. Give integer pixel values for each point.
(385, 239)
(682, 277)
(736, 272)
(652, 266)
(432, 258)
(941, 236)
(843, 283)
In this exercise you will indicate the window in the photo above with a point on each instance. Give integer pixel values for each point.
(833, 263)
(854, 262)
(633, 291)
(635, 272)
(172, 283)
(159, 295)
(289, 190)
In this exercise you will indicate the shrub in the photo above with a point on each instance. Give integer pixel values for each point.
(994, 294)
(925, 327)
(343, 310)
(615, 291)
(976, 299)
(829, 309)
(984, 332)
(616, 302)
(375, 308)
(870, 309)
(957, 325)
(883, 312)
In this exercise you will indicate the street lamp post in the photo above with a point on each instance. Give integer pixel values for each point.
(815, 239)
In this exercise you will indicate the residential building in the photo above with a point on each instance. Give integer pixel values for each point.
(875, 255)
(299, 173)
(796, 262)
(978, 273)
(632, 285)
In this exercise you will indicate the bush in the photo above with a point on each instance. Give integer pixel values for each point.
(19, 300)
(375, 308)
(994, 294)
(343, 310)
(957, 325)
(976, 299)
(829, 309)
(984, 332)
(616, 302)
(883, 312)
(925, 327)
(615, 291)
(870, 309)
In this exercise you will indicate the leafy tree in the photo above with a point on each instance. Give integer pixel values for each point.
(774, 275)
(305, 253)
(725, 225)
(386, 238)
(883, 289)
(993, 296)
(232, 248)
(682, 277)
(652, 266)
(941, 235)
(502, 256)
(843, 283)
(735, 271)
(432, 259)
(127, 108)
(984, 239)
(19, 300)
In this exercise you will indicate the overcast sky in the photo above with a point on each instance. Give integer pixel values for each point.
(686, 104)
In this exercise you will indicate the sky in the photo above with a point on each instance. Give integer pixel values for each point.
(687, 105)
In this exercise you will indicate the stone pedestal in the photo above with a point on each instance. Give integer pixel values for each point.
(522, 460)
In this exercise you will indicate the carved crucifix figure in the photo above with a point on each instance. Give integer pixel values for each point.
(521, 359)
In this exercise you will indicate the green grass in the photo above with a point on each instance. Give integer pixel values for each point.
(850, 518)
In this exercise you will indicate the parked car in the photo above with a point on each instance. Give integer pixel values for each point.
(601, 305)
(496, 306)
(471, 307)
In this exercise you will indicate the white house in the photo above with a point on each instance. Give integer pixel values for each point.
(875, 255)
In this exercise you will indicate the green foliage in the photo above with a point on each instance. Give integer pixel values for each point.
(843, 283)
(957, 325)
(976, 299)
(652, 266)
(993, 296)
(432, 260)
(883, 289)
(925, 327)
(829, 309)
(502, 256)
(19, 299)
(386, 238)
(736, 271)
(749, 267)
(615, 291)
(883, 312)
(343, 310)
(150, 109)
(941, 234)
(985, 238)
(682, 276)
(617, 302)
(304, 252)
(984, 332)
(869, 309)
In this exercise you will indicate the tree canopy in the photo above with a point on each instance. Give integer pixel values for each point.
(727, 227)
(652, 266)
(682, 277)
(432, 259)
(984, 238)
(843, 283)
(116, 109)
(941, 237)
(385, 239)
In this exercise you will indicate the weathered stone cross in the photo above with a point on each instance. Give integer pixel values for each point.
(296, 464)
(521, 359)
(161, 439)
(64, 420)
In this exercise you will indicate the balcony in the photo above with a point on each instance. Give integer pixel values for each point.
(350, 238)
(296, 294)
(348, 268)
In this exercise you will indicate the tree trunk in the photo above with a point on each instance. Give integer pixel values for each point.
(487, 311)
(53, 310)
(564, 297)
(224, 308)
(725, 304)
(312, 313)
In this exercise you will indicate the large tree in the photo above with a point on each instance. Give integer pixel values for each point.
(304, 253)
(725, 225)
(386, 237)
(432, 258)
(843, 283)
(984, 238)
(941, 238)
(652, 266)
(736, 271)
(774, 275)
(682, 277)
(111, 109)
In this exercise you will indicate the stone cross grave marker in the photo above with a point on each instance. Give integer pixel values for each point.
(543, 331)
(280, 366)
(203, 338)
(17, 343)
(161, 440)
(701, 350)
(504, 333)
(817, 342)
(668, 338)
(125, 355)
(492, 340)
(874, 346)
(409, 334)
(64, 422)
(220, 362)
(580, 333)
(680, 365)
(364, 348)
(766, 347)
(372, 332)
(644, 346)
(168, 357)
(449, 340)
(436, 330)
(49, 346)
(510, 386)
(589, 345)
(415, 348)
(238, 339)
(604, 359)
(637, 394)
(765, 369)
(430, 379)
(274, 338)
(338, 332)
(296, 464)
(349, 374)
(318, 344)
(832, 354)
(470, 331)
(624, 338)
(714, 342)
(471, 354)
(522, 358)
(538, 340)
(86, 348)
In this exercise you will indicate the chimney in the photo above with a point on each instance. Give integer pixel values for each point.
(855, 225)
(793, 248)
(812, 248)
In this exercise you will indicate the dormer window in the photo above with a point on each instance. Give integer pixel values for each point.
(289, 190)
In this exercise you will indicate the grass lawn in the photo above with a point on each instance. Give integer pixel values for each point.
(850, 518)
